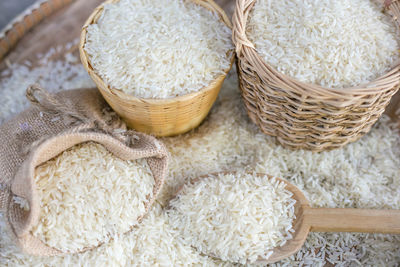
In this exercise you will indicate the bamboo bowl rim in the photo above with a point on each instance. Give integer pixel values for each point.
(246, 48)
(96, 14)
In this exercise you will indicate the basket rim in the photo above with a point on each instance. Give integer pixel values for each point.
(245, 47)
(95, 15)
(17, 28)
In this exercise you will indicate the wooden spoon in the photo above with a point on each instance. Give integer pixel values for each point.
(310, 219)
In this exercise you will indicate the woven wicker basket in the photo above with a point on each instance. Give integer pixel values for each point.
(306, 116)
(160, 117)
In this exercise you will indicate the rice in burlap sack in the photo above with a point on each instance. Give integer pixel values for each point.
(52, 125)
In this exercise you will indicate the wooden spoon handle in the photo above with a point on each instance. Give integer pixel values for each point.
(352, 220)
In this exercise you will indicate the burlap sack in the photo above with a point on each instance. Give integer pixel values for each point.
(54, 124)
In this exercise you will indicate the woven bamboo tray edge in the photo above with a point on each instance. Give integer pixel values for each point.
(24, 22)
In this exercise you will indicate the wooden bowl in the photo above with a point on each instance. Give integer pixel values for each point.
(159, 117)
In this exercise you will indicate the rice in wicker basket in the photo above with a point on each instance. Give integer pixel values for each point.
(303, 115)
(142, 103)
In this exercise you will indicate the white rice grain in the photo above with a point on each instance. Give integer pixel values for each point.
(238, 217)
(88, 195)
(158, 49)
(364, 174)
(151, 243)
(53, 75)
(333, 43)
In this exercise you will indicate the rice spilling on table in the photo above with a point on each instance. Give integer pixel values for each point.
(333, 43)
(153, 243)
(238, 217)
(61, 73)
(295, 38)
(364, 174)
(158, 49)
(88, 196)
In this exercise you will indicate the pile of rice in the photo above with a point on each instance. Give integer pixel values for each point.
(333, 43)
(152, 243)
(364, 174)
(238, 217)
(158, 48)
(88, 195)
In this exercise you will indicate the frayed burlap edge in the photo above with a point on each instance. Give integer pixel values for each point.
(127, 145)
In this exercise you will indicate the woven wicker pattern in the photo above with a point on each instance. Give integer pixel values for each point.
(13, 32)
(307, 116)
(160, 117)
